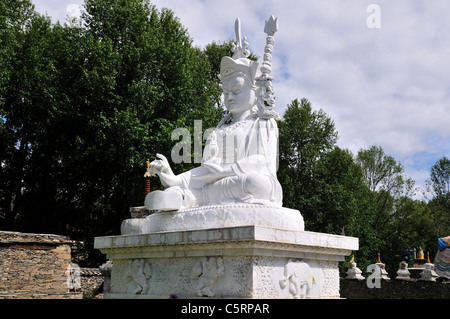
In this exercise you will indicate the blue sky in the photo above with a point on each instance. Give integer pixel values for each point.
(386, 86)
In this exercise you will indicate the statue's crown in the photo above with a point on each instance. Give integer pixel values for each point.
(239, 63)
(259, 77)
(230, 67)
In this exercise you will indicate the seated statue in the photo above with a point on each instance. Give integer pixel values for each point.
(236, 183)
(240, 156)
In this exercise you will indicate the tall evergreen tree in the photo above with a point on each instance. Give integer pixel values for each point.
(305, 137)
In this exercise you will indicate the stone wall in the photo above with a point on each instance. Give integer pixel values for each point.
(91, 282)
(34, 265)
(395, 289)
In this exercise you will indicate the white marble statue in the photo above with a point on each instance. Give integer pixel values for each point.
(220, 230)
(240, 156)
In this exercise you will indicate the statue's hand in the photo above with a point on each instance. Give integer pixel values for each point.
(169, 180)
(161, 165)
(162, 168)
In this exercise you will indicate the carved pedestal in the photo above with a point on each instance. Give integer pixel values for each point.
(231, 262)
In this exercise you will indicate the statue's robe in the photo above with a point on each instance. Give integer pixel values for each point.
(250, 149)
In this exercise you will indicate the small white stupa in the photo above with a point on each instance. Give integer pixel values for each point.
(428, 274)
(354, 272)
(403, 272)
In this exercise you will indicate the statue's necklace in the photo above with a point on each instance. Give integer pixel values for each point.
(224, 131)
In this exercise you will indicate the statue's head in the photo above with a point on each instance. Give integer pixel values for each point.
(245, 85)
(238, 83)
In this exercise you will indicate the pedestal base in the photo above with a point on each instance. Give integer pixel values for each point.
(208, 217)
(233, 262)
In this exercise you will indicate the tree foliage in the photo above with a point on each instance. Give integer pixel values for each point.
(440, 181)
(83, 106)
(305, 136)
(322, 180)
(439, 186)
(387, 183)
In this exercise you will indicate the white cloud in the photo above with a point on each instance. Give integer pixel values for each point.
(58, 10)
(73, 10)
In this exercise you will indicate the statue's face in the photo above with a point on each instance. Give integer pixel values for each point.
(238, 94)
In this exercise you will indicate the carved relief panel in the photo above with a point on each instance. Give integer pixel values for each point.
(205, 274)
(138, 272)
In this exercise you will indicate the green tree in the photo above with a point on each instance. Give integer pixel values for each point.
(439, 186)
(390, 198)
(342, 193)
(322, 180)
(387, 182)
(414, 227)
(84, 105)
(305, 137)
(29, 73)
(439, 182)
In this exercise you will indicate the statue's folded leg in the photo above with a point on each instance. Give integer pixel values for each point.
(170, 199)
(167, 200)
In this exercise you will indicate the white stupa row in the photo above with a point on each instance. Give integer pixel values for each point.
(379, 271)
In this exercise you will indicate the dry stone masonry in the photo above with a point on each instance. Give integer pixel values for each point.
(34, 266)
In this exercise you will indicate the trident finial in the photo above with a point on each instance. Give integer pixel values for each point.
(271, 26)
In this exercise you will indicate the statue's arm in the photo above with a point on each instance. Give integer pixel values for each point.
(212, 172)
